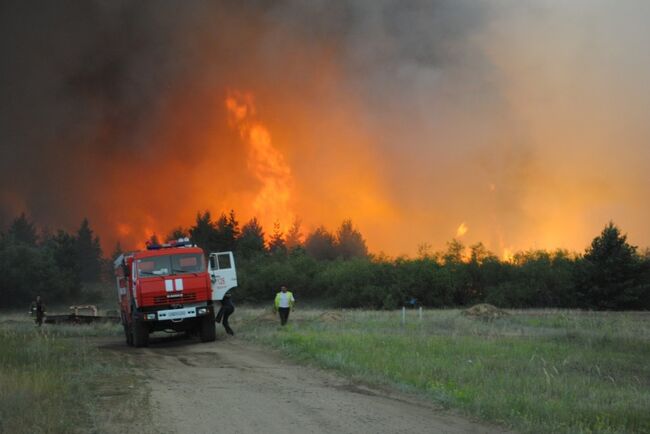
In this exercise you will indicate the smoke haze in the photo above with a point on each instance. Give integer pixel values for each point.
(519, 124)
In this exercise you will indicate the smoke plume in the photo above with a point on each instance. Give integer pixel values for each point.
(523, 123)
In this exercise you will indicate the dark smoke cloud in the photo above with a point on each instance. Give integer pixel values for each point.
(85, 88)
(415, 114)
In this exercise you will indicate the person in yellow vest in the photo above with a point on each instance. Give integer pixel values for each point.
(284, 302)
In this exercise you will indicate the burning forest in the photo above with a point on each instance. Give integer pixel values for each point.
(519, 126)
(455, 191)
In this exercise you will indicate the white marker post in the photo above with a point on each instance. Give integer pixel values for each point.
(403, 315)
(420, 313)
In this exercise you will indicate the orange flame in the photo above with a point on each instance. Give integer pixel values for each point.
(462, 230)
(508, 255)
(265, 161)
(124, 230)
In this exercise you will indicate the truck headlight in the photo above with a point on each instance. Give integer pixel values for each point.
(151, 316)
(202, 310)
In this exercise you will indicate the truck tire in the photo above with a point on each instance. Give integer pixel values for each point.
(128, 335)
(207, 328)
(140, 334)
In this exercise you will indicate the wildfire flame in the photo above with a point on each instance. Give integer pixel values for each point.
(123, 229)
(265, 161)
(462, 230)
(508, 255)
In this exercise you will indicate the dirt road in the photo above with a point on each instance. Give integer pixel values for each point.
(231, 386)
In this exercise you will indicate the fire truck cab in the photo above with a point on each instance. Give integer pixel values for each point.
(172, 287)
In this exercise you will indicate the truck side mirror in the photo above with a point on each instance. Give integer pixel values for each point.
(213, 264)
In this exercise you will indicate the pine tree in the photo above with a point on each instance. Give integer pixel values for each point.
(63, 248)
(321, 244)
(612, 272)
(203, 233)
(350, 242)
(227, 232)
(233, 224)
(276, 243)
(23, 231)
(88, 253)
(27, 271)
(251, 240)
(176, 233)
(293, 239)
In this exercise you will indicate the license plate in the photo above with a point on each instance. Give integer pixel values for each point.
(177, 313)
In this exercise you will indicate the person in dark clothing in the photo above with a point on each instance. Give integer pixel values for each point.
(39, 309)
(227, 308)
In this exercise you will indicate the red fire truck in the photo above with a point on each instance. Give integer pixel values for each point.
(172, 287)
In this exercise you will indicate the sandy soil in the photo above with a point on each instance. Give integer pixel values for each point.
(231, 386)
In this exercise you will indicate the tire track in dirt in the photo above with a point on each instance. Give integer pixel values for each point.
(236, 387)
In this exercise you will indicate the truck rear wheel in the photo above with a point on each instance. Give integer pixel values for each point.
(140, 334)
(207, 329)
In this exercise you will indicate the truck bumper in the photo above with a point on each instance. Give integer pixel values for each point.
(180, 319)
(175, 315)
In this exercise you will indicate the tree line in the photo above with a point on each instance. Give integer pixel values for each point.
(610, 274)
(336, 267)
(56, 265)
(248, 241)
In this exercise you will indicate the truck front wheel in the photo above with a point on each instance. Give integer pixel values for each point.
(207, 329)
(140, 333)
(128, 335)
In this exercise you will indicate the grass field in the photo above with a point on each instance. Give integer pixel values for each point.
(534, 371)
(54, 380)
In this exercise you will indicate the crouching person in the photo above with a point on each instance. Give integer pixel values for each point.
(227, 308)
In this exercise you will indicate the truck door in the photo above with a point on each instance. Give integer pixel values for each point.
(223, 274)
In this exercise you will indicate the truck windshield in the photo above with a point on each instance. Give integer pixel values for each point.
(188, 263)
(171, 264)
